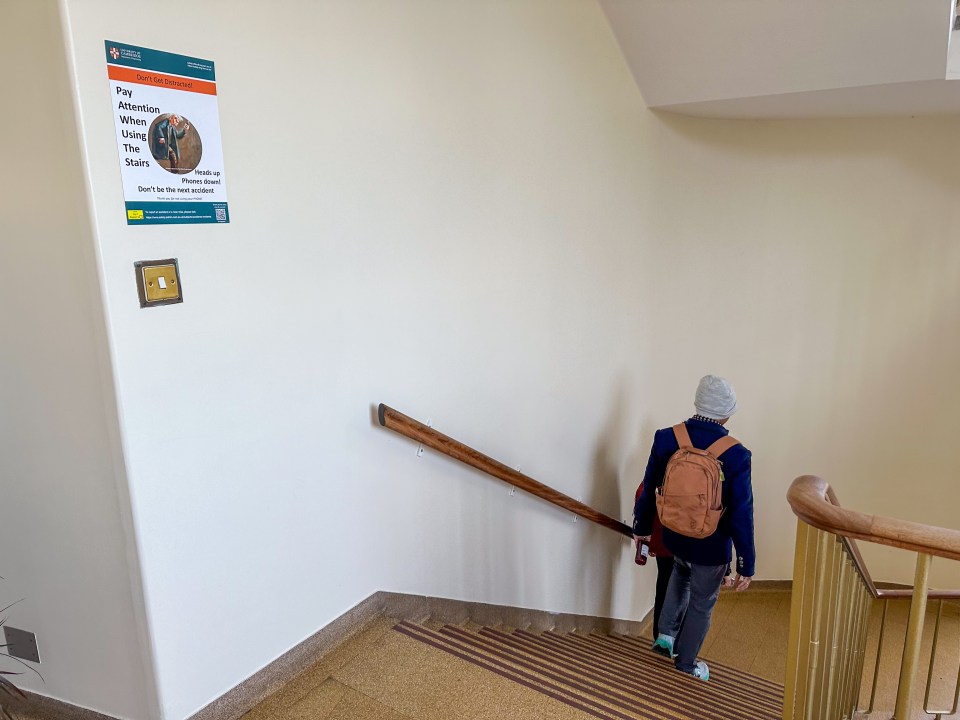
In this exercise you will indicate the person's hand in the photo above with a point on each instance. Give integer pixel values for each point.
(161, 141)
(728, 581)
(645, 538)
(742, 583)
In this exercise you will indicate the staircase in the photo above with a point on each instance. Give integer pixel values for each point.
(428, 670)
(831, 626)
(606, 676)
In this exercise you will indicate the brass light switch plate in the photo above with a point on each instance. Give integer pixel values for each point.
(158, 282)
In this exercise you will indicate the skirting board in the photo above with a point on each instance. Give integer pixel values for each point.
(414, 608)
(402, 607)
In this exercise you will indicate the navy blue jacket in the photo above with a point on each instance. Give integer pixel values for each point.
(736, 524)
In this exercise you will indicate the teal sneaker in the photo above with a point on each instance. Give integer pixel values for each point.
(663, 645)
(701, 671)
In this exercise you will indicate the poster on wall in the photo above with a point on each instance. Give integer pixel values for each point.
(168, 134)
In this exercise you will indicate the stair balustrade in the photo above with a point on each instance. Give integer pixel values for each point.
(833, 596)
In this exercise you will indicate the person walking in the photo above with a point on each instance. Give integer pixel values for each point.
(703, 523)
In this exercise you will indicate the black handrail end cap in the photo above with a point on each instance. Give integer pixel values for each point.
(381, 409)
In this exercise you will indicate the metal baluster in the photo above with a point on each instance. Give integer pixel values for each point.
(911, 644)
(826, 637)
(810, 707)
(835, 630)
(843, 651)
(849, 625)
(933, 660)
(850, 651)
(876, 667)
(850, 699)
(865, 614)
(810, 591)
(956, 694)
(804, 549)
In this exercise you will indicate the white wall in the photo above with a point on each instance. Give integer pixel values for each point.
(463, 209)
(433, 205)
(829, 251)
(64, 518)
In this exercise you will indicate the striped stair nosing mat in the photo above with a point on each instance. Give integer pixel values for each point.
(607, 676)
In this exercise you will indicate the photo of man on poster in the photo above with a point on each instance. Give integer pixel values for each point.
(173, 146)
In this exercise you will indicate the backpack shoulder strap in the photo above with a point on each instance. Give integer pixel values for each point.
(683, 437)
(719, 447)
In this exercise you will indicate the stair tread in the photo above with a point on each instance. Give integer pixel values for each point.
(606, 676)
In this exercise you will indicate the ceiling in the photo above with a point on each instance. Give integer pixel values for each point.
(791, 59)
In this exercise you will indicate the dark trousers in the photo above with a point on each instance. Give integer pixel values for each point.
(664, 571)
(691, 595)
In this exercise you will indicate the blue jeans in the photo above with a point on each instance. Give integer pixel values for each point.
(664, 571)
(691, 595)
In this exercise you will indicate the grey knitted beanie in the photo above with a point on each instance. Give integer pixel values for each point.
(715, 398)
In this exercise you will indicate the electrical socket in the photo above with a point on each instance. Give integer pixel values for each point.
(21, 644)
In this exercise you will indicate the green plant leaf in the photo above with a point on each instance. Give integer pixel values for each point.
(3, 621)
(3, 610)
(9, 687)
(21, 662)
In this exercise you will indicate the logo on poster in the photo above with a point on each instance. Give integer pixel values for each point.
(114, 53)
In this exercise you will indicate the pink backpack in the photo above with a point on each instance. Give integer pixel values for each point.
(689, 500)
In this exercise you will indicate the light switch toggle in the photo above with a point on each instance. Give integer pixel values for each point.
(158, 282)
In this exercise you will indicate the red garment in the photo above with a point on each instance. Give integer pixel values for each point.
(657, 548)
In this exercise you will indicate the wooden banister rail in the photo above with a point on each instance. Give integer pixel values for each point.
(858, 562)
(814, 503)
(906, 594)
(407, 426)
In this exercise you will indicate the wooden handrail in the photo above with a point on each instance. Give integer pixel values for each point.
(813, 501)
(407, 426)
(880, 593)
(905, 594)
